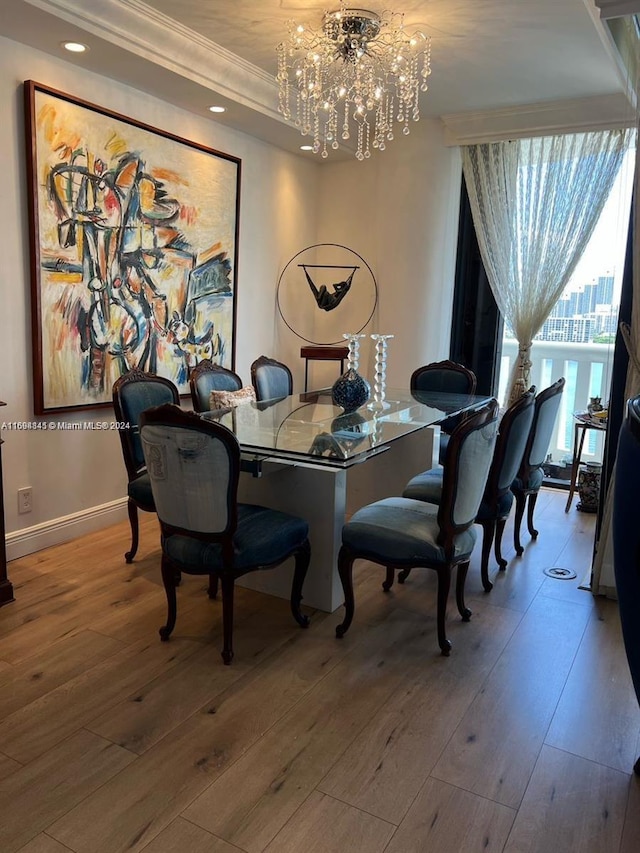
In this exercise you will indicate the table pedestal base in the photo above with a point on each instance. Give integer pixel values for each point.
(326, 497)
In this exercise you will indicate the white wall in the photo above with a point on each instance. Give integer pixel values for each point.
(70, 472)
(399, 211)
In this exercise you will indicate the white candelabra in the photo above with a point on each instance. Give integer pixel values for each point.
(380, 374)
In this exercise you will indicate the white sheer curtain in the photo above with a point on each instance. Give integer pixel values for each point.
(535, 203)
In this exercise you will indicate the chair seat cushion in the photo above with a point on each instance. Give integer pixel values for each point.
(399, 531)
(532, 485)
(263, 537)
(487, 512)
(139, 490)
(425, 487)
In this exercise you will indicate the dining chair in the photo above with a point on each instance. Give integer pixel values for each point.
(447, 377)
(271, 379)
(401, 534)
(194, 467)
(497, 499)
(132, 393)
(528, 480)
(206, 377)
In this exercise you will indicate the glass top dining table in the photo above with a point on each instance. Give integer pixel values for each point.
(308, 429)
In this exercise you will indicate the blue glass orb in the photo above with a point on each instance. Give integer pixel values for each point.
(350, 391)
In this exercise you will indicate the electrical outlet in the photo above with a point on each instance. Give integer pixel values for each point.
(25, 502)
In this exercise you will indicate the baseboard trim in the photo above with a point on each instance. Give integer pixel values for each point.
(63, 529)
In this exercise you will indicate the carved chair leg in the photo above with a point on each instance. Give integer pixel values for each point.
(388, 581)
(227, 582)
(521, 500)
(213, 586)
(403, 575)
(461, 577)
(500, 525)
(132, 509)
(345, 570)
(169, 581)
(303, 557)
(488, 528)
(530, 508)
(444, 582)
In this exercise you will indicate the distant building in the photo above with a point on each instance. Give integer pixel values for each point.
(583, 314)
(576, 330)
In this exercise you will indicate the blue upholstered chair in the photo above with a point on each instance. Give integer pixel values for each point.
(207, 377)
(194, 467)
(401, 534)
(497, 499)
(132, 393)
(528, 480)
(448, 377)
(271, 379)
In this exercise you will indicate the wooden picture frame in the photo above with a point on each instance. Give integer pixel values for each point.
(134, 248)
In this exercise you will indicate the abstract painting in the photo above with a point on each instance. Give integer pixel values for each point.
(134, 243)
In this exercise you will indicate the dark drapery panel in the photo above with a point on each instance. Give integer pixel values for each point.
(476, 331)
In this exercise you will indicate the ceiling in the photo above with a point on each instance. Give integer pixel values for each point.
(486, 56)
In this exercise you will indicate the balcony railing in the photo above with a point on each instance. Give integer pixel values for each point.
(587, 370)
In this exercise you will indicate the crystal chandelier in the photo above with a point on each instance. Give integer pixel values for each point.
(360, 73)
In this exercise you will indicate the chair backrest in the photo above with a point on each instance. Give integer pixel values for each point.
(544, 418)
(207, 377)
(513, 432)
(132, 393)
(446, 376)
(271, 379)
(193, 467)
(465, 470)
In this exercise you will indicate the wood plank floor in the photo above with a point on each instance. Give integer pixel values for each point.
(522, 740)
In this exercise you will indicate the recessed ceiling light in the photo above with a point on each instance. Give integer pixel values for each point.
(217, 109)
(74, 46)
(306, 147)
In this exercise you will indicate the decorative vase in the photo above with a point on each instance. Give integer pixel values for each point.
(595, 405)
(589, 486)
(350, 391)
(380, 372)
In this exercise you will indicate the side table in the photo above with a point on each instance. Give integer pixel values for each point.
(6, 587)
(318, 353)
(583, 423)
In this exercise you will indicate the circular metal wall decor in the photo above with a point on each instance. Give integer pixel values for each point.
(560, 574)
(324, 291)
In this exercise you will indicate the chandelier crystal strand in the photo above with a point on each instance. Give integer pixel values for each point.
(360, 66)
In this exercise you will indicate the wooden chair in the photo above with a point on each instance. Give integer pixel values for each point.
(528, 480)
(132, 393)
(448, 377)
(401, 534)
(271, 379)
(497, 499)
(194, 467)
(207, 377)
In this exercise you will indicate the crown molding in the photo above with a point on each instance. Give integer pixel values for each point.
(617, 8)
(604, 112)
(135, 27)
